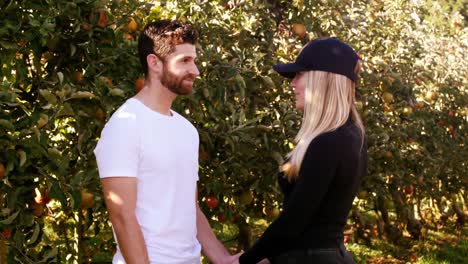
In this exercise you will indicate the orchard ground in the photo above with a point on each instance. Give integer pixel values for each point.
(446, 246)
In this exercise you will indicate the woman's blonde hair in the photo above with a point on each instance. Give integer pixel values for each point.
(329, 100)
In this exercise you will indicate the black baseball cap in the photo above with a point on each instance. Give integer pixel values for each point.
(323, 54)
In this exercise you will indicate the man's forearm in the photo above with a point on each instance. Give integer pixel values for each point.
(211, 247)
(131, 240)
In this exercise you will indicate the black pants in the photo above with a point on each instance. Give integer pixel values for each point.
(316, 256)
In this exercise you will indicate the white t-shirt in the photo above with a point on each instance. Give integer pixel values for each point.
(162, 153)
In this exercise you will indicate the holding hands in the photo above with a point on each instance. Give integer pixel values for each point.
(234, 259)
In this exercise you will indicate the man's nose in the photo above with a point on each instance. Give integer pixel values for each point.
(194, 70)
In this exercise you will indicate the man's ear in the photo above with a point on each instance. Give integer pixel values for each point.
(154, 64)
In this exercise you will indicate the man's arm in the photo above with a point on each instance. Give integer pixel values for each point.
(120, 194)
(211, 247)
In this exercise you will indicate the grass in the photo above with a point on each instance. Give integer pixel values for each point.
(426, 252)
(448, 254)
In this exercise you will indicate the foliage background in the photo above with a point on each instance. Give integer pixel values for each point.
(67, 65)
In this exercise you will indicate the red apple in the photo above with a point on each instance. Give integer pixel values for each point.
(299, 30)
(103, 20)
(203, 155)
(2, 171)
(409, 189)
(87, 200)
(221, 218)
(388, 155)
(387, 97)
(78, 77)
(128, 37)
(40, 198)
(430, 95)
(407, 111)
(85, 26)
(246, 198)
(212, 202)
(132, 25)
(139, 84)
(38, 209)
(272, 212)
(6, 233)
(346, 239)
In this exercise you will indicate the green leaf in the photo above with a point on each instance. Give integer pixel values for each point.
(5, 211)
(57, 193)
(37, 133)
(72, 49)
(241, 84)
(268, 82)
(50, 97)
(35, 236)
(7, 45)
(26, 220)
(60, 76)
(34, 23)
(22, 156)
(117, 92)
(7, 124)
(66, 110)
(54, 153)
(10, 219)
(76, 200)
(82, 94)
(278, 157)
(51, 254)
(228, 141)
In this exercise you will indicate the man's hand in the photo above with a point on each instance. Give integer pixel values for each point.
(211, 247)
(232, 259)
(236, 261)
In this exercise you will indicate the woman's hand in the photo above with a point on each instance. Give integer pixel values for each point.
(234, 259)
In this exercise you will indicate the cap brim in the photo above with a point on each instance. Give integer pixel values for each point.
(288, 70)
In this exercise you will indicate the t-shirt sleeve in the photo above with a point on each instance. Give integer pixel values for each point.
(317, 171)
(117, 150)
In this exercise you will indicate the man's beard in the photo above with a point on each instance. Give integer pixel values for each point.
(176, 83)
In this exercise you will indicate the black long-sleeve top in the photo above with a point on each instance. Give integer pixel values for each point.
(317, 204)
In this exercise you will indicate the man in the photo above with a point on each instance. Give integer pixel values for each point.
(148, 159)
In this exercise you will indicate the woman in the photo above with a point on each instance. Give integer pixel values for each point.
(322, 174)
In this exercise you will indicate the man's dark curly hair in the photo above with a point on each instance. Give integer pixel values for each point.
(161, 37)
